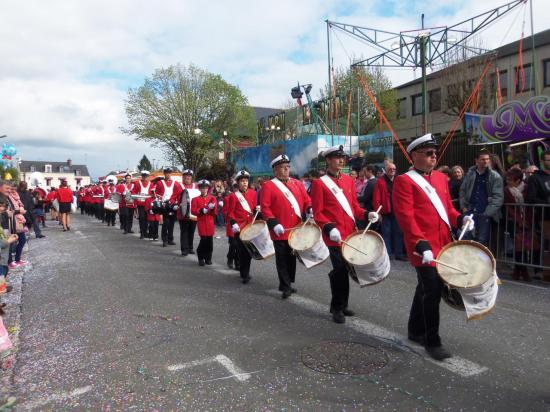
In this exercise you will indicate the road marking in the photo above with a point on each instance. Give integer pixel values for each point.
(456, 364)
(223, 360)
(55, 397)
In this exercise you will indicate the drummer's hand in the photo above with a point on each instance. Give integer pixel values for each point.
(427, 257)
(373, 217)
(211, 206)
(468, 223)
(235, 227)
(175, 207)
(257, 208)
(309, 213)
(335, 236)
(279, 230)
(220, 203)
(204, 211)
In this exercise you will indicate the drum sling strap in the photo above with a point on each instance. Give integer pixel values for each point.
(338, 194)
(288, 194)
(167, 193)
(432, 195)
(243, 202)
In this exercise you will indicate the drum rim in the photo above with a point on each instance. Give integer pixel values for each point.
(470, 243)
(248, 226)
(312, 224)
(359, 232)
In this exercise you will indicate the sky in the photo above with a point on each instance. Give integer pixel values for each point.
(67, 65)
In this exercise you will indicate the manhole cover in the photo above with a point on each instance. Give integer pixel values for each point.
(344, 358)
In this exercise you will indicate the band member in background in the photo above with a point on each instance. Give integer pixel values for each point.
(81, 201)
(101, 202)
(142, 188)
(186, 218)
(152, 218)
(127, 205)
(284, 203)
(242, 206)
(205, 208)
(232, 252)
(97, 195)
(110, 215)
(65, 198)
(336, 209)
(425, 212)
(168, 189)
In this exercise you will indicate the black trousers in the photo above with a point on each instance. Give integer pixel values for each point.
(286, 264)
(128, 219)
(424, 316)
(232, 252)
(101, 212)
(142, 217)
(339, 280)
(167, 231)
(244, 258)
(122, 216)
(205, 248)
(153, 230)
(110, 217)
(187, 232)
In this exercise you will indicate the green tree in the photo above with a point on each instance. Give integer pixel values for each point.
(144, 164)
(185, 110)
(6, 172)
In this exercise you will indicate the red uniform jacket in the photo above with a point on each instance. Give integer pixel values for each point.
(148, 207)
(276, 209)
(381, 196)
(64, 195)
(236, 212)
(176, 199)
(108, 190)
(121, 188)
(141, 188)
(88, 195)
(417, 216)
(225, 211)
(328, 211)
(52, 194)
(96, 191)
(205, 222)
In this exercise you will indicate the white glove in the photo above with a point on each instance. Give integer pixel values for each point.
(220, 203)
(235, 227)
(335, 236)
(468, 223)
(211, 206)
(279, 229)
(204, 210)
(175, 207)
(427, 257)
(309, 213)
(257, 208)
(373, 217)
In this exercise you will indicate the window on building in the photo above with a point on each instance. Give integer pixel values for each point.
(416, 104)
(434, 100)
(503, 78)
(33, 168)
(402, 108)
(520, 85)
(48, 168)
(48, 181)
(77, 172)
(546, 71)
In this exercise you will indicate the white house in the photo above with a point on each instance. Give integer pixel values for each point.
(54, 172)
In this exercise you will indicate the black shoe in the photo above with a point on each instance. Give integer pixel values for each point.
(40, 236)
(201, 262)
(294, 290)
(131, 231)
(286, 294)
(338, 317)
(417, 339)
(346, 312)
(439, 353)
(171, 243)
(68, 228)
(237, 267)
(230, 263)
(184, 253)
(125, 233)
(246, 280)
(208, 261)
(191, 252)
(164, 243)
(141, 236)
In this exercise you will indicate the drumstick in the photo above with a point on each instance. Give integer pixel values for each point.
(306, 222)
(444, 264)
(464, 229)
(354, 248)
(255, 216)
(370, 223)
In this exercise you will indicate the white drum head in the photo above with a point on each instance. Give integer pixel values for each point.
(474, 260)
(250, 232)
(364, 249)
(304, 237)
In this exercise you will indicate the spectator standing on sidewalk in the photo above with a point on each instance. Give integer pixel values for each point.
(17, 225)
(457, 176)
(365, 196)
(382, 196)
(6, 240)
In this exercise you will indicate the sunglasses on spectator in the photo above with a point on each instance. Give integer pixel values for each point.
(430, 153)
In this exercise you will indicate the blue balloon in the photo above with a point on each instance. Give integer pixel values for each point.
(9, 149)
(3, 162)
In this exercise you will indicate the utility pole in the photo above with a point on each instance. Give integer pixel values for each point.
(423, 39)
(533, 60)
(329, 78)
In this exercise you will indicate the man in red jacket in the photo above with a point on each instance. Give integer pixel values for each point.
(127, 205)
(142, 188)
(242, 206)
(168, 190)
(284, 203)
(205, 207)
(186, 218)
(336, 208)
(382, 196)
(425, 212)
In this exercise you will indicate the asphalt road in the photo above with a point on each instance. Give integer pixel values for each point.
(110, 322)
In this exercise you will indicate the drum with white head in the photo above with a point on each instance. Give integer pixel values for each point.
(307, 242)
(256, 239)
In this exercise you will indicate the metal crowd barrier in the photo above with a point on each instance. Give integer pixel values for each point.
(522, 236)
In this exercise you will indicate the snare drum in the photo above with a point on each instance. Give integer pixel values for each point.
(366, 257)
(307, 242)
(110, 205)
(256, 239)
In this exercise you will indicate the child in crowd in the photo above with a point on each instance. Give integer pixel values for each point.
(205, 207)
(6, 239)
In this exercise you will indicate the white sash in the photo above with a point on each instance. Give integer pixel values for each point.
(338, 194)
(168, 190)
(288, 194)
(144, 190)
(243, 202)
(431, 193)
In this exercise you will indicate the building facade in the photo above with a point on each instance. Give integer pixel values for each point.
(52, 173)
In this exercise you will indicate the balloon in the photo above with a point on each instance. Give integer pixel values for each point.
(3, 162)
(9, 149)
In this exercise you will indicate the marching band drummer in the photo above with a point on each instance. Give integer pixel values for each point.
(425, 213)
(205, 208)
(166, 189)
(143, 188)
(242, 204)
(127, 207)
(336, 208)
(186, 218)
(110, 215)
(284, 202)
(232, 251)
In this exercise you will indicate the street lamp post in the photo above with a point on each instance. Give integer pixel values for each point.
(224, 145)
